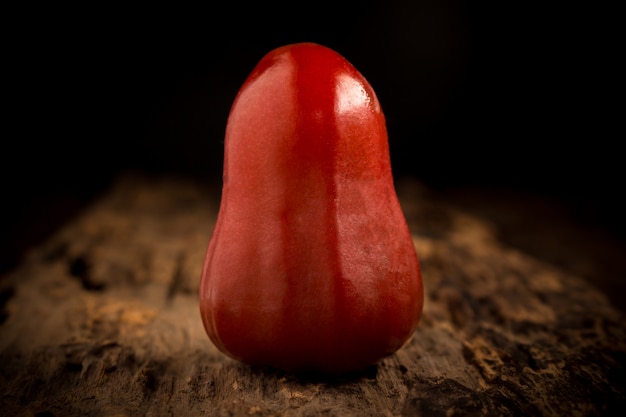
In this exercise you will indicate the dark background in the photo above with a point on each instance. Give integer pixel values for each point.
(505, 95)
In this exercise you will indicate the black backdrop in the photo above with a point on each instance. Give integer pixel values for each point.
(487, 93)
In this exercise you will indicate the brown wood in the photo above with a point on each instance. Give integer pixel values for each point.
(102, 319)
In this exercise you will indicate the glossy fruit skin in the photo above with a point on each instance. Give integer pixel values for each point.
(311, 265)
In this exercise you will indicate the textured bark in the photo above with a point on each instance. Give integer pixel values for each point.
(103, 319)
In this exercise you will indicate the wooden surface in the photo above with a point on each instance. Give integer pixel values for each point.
(102, 319)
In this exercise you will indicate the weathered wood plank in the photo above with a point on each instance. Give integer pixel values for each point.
(103, 319)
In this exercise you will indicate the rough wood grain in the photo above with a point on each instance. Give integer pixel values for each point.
(103, 320)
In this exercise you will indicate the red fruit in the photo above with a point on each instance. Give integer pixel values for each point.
(311, 266)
